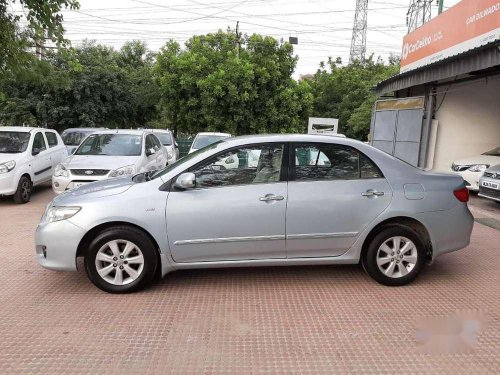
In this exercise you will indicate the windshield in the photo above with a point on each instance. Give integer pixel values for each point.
(111, 145)
(74, 138)
(165, 138)
(205, 140)
(182, 161)
(13, 142)
(494, 152)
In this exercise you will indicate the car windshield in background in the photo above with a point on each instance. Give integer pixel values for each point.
(111, 145)
(13, 142)
(165, 138)
(182, 161)
(74, 138)
(205, 140)
(494, 152)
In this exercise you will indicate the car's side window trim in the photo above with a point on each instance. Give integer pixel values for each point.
(292, 153)
(283, 176)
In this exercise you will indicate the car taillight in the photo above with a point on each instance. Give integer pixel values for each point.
(462, 194)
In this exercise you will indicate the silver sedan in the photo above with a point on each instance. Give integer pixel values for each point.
(308, 199)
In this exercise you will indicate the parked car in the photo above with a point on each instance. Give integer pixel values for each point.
(167, 139)
(108, 154)
(489, 184)
(72, 137)
(364, 206)
(27, 158)
(472, 168)
(206, 138)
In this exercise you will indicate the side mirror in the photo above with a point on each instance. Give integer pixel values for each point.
(35, 151)
(150, 152)
(176, 145)
(185, 181)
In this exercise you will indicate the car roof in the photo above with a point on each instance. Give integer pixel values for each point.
(160, 130)
(23, 129)
(83, 129)
(214, 133)
(124, 131)
(321, 138)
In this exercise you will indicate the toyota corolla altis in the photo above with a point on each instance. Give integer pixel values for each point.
(309, 199)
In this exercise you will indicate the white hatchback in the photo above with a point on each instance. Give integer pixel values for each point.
(28, 157)
(107, 154)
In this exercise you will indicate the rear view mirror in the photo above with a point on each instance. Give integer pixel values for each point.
(185, 181)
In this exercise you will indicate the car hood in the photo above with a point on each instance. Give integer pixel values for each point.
(99, 189)
(99, 161)
(479, 159)
(8, 157)
(495, 168)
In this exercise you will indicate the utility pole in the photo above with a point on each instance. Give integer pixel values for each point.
(358, 41)
(237, 39)
(440, 6)
(419, 12)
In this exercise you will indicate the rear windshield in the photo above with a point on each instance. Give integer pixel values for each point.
(111, 145)
(13, 142)
(165, 138)
(74, 138)
(494, 152)
(205, 140)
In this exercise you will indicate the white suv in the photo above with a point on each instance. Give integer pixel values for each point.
(107, 154)
(27, 158)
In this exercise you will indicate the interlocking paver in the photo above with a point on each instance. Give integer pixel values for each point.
(282, 320)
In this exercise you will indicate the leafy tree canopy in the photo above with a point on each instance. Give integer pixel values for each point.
(240, 85)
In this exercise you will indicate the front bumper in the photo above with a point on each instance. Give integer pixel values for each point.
(57, 243)
(8, 183)
(62, 184)
(471, 179)
(490, 192)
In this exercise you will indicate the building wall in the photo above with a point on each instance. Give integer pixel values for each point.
(468, 121)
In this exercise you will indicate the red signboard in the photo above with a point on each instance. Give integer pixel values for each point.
(467, 25)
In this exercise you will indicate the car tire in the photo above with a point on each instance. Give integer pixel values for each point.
(23, 191)
(395, 256)
(121, 259)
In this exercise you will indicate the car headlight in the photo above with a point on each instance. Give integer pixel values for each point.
(478, 167)
(123, 171)
(58, 213)
(170, 154)
(7, 167)
(61, 171)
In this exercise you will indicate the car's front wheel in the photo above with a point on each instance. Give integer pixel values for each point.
(121, 259)
(23, 191)
(395, 256)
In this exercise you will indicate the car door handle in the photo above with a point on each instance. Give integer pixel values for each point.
(271, 197)
(371, 193)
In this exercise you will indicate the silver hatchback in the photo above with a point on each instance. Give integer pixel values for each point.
(308, 199)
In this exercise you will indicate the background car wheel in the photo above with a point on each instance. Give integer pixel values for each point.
(395, 256)
(23, 192)
(121, 260)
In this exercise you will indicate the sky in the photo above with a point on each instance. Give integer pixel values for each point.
(323, 27)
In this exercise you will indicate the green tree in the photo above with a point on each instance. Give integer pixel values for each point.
(91, 86)
(345, 92)
(44, 21)
(221, 82)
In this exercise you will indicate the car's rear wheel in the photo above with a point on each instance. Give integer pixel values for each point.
(121, 260)
(395, 256)
(23, 191)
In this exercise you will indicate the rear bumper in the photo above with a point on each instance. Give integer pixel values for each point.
(450, 230)
(57, 243)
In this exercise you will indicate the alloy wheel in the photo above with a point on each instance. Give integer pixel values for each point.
(25, 190)
(397, 256)
(119, 262)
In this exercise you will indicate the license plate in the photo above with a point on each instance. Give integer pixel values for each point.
(78, 184)
(490, 185)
